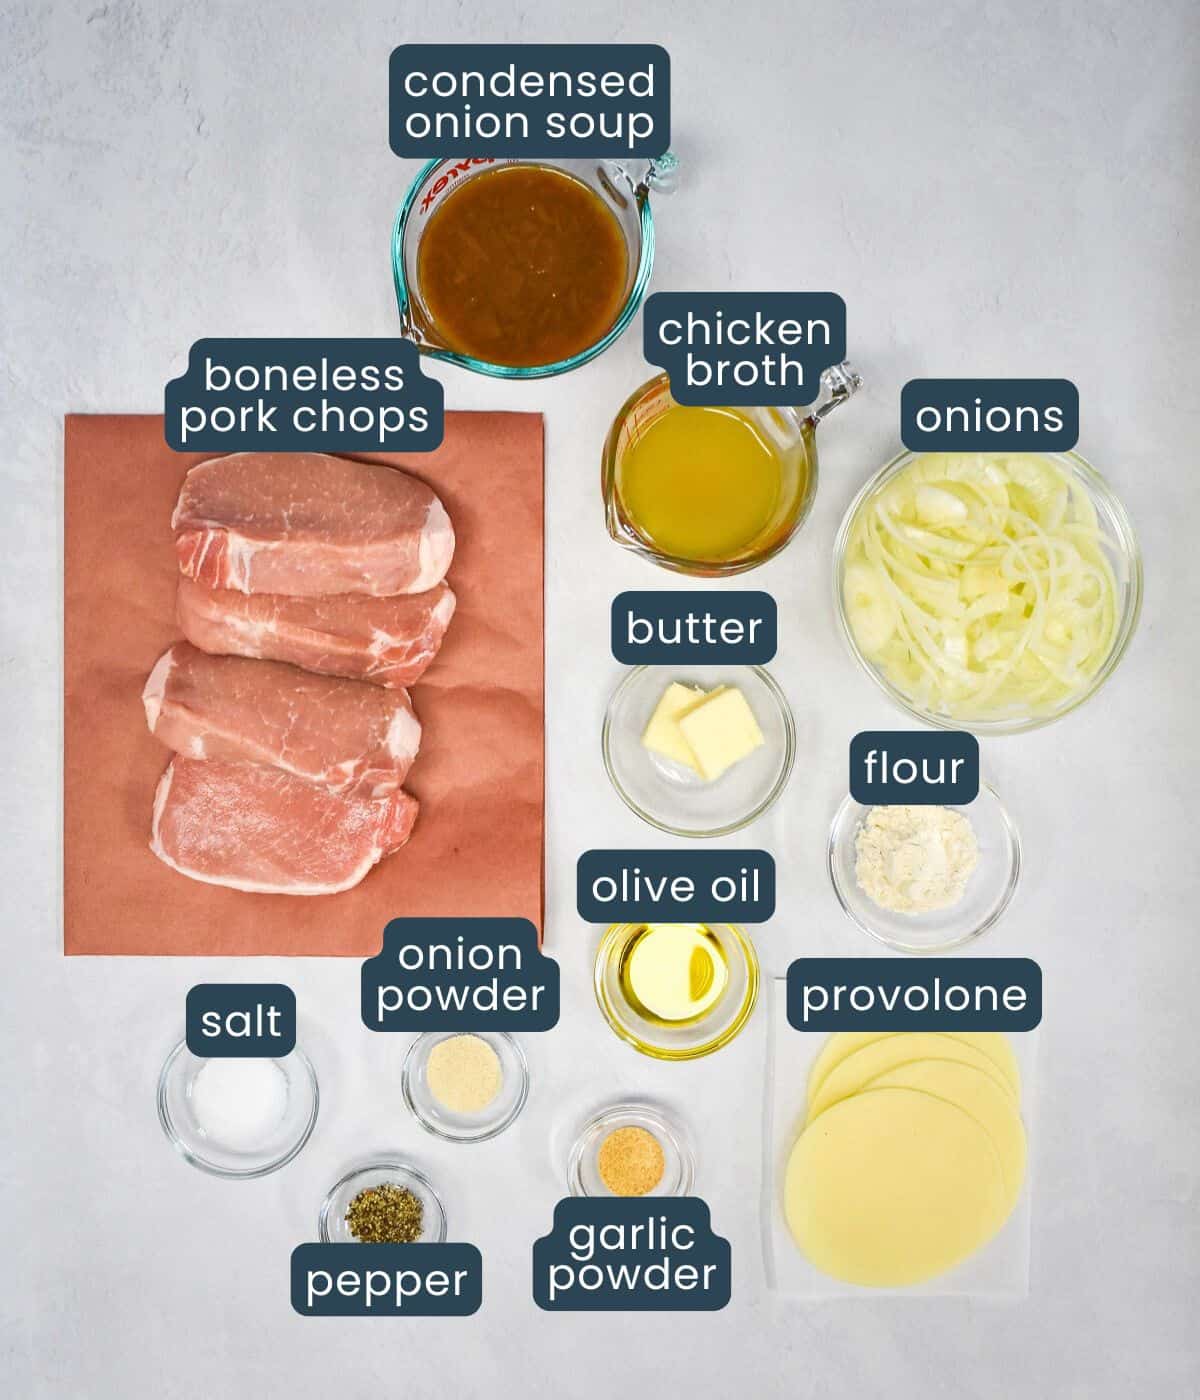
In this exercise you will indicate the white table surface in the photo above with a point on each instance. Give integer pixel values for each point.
(995, 190)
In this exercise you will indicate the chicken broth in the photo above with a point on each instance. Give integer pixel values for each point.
(522, 266)
(700, 484)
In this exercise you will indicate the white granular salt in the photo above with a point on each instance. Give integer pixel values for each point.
(912, 860)
(239, 1102)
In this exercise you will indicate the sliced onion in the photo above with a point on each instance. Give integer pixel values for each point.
(983, 586)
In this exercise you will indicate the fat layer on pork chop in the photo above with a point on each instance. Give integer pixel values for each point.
(256, 828)
(306, 524)
(390, 641)
(342, 734)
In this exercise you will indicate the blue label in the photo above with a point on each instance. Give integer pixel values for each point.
(918, 768)
(541, 100)
(303, 396)
(227, 1020)
(652, 1254)
(989, 415)
(679, 886)
(744, 348)
(663, 628)
(935, 994)
(460, 975)
(386, 1280)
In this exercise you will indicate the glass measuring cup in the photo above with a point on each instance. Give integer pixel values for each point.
(625, 195)
(790, 432)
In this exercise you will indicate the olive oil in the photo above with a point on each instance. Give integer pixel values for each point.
(674, 973)
(701, 484)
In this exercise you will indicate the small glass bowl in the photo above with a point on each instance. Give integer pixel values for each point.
(1124, 556)
(679, 1164)
(436, 1118)
(989, 890)
(331, 1224)
(197, 1146)
(675, 799)
(689, 1040)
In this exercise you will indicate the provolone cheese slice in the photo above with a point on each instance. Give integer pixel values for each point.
(892, 1187)
(992, 1107)
(858, 1069)
(991, 1043)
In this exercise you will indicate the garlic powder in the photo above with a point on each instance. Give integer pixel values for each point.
(912, 860)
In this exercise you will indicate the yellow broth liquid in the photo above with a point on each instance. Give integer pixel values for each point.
(521, 266)
(700, 483)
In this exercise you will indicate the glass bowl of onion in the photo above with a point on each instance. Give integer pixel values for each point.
(987, 591)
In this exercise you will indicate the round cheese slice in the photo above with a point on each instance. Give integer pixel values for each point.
(879, 1056)
(977, 1095)
(990, 1043)
(893, 1187)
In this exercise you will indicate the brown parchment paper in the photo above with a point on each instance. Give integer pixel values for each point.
(477, 847)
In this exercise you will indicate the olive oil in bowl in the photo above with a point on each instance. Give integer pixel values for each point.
(674, 973)
(676, 991)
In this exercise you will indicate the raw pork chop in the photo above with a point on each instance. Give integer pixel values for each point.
(390, 641)
(257, 828)
(347, 736)
(305, 524)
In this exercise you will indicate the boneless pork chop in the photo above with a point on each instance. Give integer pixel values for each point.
(390, 641)
(257, 828)
(305, 524)
(347, 736)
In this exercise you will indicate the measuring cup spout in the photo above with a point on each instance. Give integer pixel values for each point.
(838, 383)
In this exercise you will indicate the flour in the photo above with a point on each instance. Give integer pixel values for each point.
(913, 860)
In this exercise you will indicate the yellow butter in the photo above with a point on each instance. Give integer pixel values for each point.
(720, 731)
(662, 734)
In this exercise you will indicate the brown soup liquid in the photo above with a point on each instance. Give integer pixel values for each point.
(521, 266)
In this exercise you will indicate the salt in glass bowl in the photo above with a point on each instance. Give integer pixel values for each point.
(989, 890)
(197, 1144)
(331, 1224)
(436, 1118)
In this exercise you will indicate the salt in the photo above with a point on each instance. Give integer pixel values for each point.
(239, 1102)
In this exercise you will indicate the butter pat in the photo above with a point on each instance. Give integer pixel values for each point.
(720, 731)
(662, 734)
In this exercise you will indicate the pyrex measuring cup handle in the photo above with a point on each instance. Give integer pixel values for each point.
(661, 174)
(838, 383)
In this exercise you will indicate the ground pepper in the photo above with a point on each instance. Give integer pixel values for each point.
(386, 1214)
